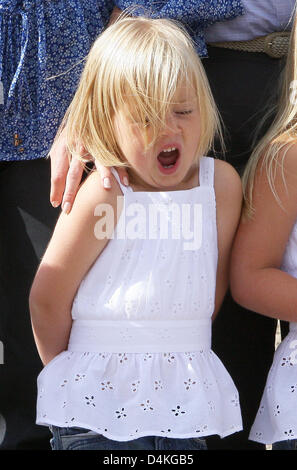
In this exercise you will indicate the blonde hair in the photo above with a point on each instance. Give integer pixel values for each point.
(281, 134)
(139, 62)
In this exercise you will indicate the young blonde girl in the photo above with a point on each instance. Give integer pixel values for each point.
(264, 260)
(121, 310)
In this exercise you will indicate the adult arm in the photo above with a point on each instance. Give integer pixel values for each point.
(257, 282)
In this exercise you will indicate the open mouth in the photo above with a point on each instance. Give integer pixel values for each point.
(168, 159)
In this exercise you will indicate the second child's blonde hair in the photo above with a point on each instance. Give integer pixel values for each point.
(281, 134)
(138, 62)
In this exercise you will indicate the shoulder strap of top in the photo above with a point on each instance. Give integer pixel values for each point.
(124, 188)
(206, 171)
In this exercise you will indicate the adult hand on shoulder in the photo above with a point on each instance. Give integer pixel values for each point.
(66, 175)
(105, 174)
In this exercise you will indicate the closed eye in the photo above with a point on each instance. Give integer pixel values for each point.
(183, 113)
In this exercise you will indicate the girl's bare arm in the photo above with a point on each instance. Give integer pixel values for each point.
(257, 282)
(71, 252)
(228, 191)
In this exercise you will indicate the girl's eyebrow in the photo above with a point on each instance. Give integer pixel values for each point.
(188, 100)
(183, 103)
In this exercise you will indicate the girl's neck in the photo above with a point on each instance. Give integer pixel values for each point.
(190, 181)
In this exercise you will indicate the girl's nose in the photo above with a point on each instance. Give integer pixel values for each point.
(171, 126)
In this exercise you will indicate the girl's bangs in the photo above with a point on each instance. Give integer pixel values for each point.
(148, 94)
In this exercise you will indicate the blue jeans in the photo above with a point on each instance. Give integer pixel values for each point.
(83, 439)
(290, 444)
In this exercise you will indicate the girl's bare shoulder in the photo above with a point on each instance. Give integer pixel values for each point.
(227, 183)
(287, 158)
(278, 175)
(90, 195)
(92, 191)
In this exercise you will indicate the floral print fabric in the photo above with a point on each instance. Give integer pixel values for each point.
(42, 47)
(195, 15)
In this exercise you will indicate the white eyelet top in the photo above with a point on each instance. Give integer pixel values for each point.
(276, 419)
(139, 359)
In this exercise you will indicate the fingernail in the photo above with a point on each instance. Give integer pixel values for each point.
(106, 183)
(54, 203)
(66, 207)
(125, 180)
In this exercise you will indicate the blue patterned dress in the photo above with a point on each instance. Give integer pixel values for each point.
(39, 40)
(42, 44)
(195, 15)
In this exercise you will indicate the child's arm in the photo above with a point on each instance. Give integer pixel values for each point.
(257, 282)
(71, 252)
(228, 191)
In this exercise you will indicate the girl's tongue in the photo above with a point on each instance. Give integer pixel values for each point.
(168, 158)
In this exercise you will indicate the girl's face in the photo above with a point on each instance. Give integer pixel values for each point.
(172, 162)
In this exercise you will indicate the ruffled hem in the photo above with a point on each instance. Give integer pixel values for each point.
(80, 424)
(124, 396)
(275, 420)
